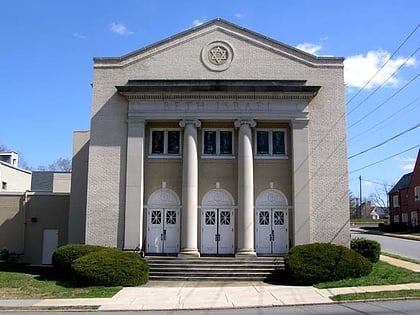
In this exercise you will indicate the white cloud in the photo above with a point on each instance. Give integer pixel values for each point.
(406, 163)
(238, 15)
(79, 36)
(120, 29)
(309, 48)
(359, 69)
(197, 22)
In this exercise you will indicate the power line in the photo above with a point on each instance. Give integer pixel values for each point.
(386, 101)
(387, 118)
(386, 141)
(376, 183)
(387, 158)
(383, 66)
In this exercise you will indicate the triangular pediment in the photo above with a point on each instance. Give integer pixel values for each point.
(217, 49)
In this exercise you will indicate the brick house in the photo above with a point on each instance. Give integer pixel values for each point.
(404, 198)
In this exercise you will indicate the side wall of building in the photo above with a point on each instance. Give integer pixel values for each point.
(14, 179)
(12, 222)
(77, 212)
(25, 216)
(44, 212)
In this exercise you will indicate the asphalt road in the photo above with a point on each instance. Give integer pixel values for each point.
(397, 246)
(407, 307)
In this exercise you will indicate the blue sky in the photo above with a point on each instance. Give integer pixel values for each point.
(48, 46)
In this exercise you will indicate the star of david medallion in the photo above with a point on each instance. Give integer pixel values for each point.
(217, 56)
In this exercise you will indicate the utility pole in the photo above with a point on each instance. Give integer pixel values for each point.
(360, 195)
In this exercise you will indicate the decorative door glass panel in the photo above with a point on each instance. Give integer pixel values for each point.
(264, 218)
(225, 217)
(170, 217)
(278, 218)
(156, 217)
(210, 217)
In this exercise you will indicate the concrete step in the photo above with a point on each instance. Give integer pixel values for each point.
(213, 268)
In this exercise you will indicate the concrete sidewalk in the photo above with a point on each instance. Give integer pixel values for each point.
(183, 295)
(202, 295)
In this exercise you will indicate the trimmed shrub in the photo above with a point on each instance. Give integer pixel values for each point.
(320, 262)
(110, 267)
(4, 255)
(393, 227)
(65, 255)
(368, 248)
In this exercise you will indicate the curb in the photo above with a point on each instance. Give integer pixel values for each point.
(402, 236)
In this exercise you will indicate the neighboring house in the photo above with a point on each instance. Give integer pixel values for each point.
(215, 141)
(13, 178)
(404, 198)
(33, 220)
(369, 210)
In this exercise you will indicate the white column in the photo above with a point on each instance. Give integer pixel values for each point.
(133, 232)
(245, 188)
(301, 183)
(189, 239)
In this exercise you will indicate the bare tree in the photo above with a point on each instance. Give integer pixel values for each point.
(380, 196)
(353, 206)
(61, 165)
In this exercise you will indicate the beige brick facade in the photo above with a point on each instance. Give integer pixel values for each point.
(216, 77)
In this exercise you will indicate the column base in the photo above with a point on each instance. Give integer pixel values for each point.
(187, 252)
(245, 252)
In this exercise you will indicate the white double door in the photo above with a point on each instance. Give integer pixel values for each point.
(163, 231)
(217, 232)
(271, 231)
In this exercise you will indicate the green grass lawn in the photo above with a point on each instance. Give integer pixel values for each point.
(377, 295)
(19, 281)
(381, 274)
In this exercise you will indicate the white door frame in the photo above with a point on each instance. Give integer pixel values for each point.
(217, 237)
(163, 222)
(217, 223)
(163, 230)
(271, 223)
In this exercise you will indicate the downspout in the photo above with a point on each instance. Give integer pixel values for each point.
(24, 209)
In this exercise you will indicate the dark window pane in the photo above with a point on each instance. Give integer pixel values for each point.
(173, 142)
(157, 142)
(278, 142)
(209, 142)
(262, 142)
(225, 142)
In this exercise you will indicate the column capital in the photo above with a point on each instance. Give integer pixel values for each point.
(251, 122)
(185, 122)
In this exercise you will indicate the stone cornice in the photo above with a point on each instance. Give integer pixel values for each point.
(217, 89)
(218, 96)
